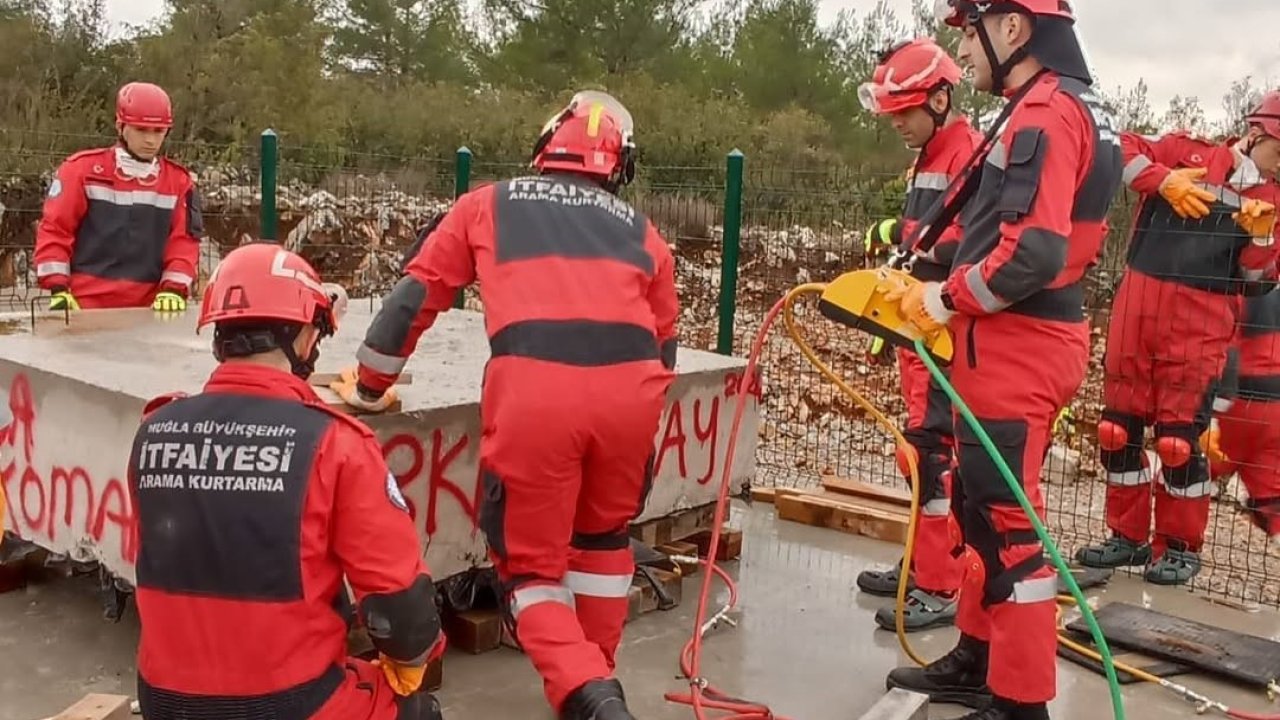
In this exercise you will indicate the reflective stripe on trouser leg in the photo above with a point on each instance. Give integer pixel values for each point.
(548, 630)
(600, 578)
(1182, 495)
(1128, 480)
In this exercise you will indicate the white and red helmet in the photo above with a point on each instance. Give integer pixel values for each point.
(907, 75)
(1267, 114)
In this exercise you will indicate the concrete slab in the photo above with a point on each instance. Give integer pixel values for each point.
(899, 704)
(77, 390)
(806, 644)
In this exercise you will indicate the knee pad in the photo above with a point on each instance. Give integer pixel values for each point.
(1177, 443)
(1120, 441)
(1112, 436)
(987, 541)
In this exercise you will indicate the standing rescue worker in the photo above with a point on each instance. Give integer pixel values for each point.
(254, 501)
(580, 307)
(1204, 234)
(912, 85)
(121, 225)
(1014, 303)
(1244, 438)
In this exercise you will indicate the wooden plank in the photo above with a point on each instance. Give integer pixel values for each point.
(97, 706)
(730, 544)
(850, 518)
(764, 494)
(856, 488)
(687, 549)
(331, 399)
(322, 379)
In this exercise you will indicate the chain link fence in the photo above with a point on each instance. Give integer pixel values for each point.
(352, 215)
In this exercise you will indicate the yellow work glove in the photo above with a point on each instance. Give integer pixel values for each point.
(1063, 424)
(1187, 199)
(404, 679)
(1258, 218)
(169, 302)
(1210, 444)
(63, 300)
(921, 303)
(347, 388)
(879, 237)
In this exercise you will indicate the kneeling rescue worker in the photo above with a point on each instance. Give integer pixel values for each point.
(580, 308)
(1204, 237)
(912, 85)
(121, 225)
(254, 501)
(1014, 304)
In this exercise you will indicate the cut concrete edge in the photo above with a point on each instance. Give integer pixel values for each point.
(899, 704)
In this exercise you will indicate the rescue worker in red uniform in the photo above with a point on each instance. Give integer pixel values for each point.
(580, 308)
(121, 225)
(254, 500)
(1014, 304)
(1205, 234)
(1244, 437)
(912, 85)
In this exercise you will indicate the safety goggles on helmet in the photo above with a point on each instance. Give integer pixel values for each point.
(594, 134)
(907, 74)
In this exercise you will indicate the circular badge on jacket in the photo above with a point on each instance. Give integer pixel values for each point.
(55, 188)
(394, 495)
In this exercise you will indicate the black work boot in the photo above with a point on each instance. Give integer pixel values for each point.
(597, 700)
(958, 677)
(1001, 709)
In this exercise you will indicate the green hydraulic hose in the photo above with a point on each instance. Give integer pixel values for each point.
(1117, 703)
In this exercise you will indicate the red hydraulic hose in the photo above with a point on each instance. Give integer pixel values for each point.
(703, 695)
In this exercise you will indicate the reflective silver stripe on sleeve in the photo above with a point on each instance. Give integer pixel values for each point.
(936, 508)
(597, 585)
(46, 269)
(131, 197)
(377, 362)
(931, 181)
(1135, 168)
(1034, 591)
(526, 597)
(182, 279)
(999, 156)
(1254, 274)
(987, 300)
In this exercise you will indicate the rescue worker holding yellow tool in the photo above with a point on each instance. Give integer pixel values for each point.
(912, 86)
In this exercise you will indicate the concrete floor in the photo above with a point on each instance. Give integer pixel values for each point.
(806, 644)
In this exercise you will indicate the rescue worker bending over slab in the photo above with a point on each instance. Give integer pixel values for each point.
(580, 308)
(254, 500)
(1244, 438)
(121, 225)
(912, 86)
(1203, 237)
(1015, 306)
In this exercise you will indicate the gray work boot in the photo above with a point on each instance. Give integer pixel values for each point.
(923, 610)
(1116, 552)
(883, 583)
(1175, 567)
(958, 677)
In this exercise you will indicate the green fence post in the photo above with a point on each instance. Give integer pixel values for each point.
(730, 252)
(461, 184)
(270, 160)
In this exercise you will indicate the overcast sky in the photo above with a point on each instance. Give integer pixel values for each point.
(1175, 45)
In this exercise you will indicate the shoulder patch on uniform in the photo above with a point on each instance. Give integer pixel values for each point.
(55, 188)
(394, 494)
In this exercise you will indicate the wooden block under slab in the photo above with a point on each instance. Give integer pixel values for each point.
(763, 494)
(855, 488)
(685, 548)
(434, 679)
(730, 544)
(671, 582)
(97, 706)
(822, 511)
(474, 631)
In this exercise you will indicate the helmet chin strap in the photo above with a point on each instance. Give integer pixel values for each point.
(999, 70)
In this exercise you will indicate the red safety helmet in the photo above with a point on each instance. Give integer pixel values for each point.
(144, 105)
(1267, 114)
(592, 135)
(957, 12)
(907, 75)
(264, 281)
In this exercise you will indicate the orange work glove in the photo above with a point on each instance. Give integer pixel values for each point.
(921, 303)
(347, 388)
(1180, 189)
(1258, 218)
(1210, 445)
(404, 679)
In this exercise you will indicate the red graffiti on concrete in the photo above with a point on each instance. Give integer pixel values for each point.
(706, 428)
(436, 466)
(35, 499)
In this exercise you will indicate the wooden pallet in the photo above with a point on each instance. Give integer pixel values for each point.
(849, 506)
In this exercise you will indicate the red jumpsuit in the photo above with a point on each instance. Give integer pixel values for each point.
(254, 500)
(1031, 231)
(928, 408)
(116, 241)
(580, 308)
(1173, 318)
(1250, 421)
